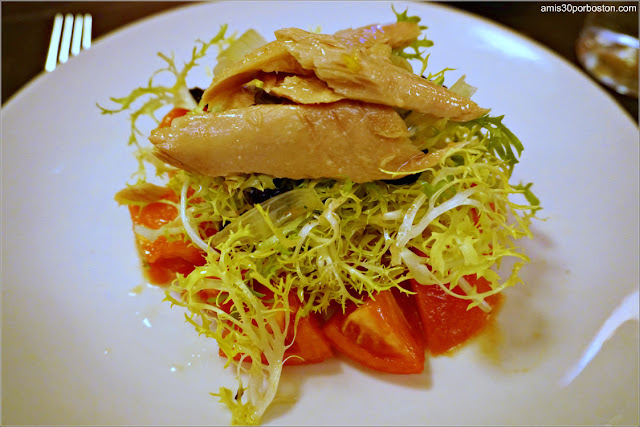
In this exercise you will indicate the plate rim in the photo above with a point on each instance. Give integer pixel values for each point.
(487, 21)
(189, 6)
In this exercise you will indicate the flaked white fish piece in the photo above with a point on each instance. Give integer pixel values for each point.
(300, 89)
(366, 73)
(141, 192)
(274, 58)
(397, 35)
(345, 139)
(232, 98)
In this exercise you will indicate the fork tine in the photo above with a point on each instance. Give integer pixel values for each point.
(52, 54)
(86, 31)
(70, 38)
(77, 35)
(66, 38)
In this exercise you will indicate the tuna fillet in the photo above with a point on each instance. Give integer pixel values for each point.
(345, 139)
(367, 74)
(397, 35)
(274, 58)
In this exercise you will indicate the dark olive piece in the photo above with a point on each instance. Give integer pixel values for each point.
(196, 94)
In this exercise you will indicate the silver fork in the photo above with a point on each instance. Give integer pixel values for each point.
(70, 38)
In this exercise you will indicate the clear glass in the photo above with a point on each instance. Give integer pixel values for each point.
(608, 45)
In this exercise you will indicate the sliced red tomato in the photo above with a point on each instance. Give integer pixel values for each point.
(409, 307)
(154, 215)
(310, 344)
(161, 248)
(475, 216)
(447, 322)
(163, 271)
(377, 335)
(174, 113)
(165, 257)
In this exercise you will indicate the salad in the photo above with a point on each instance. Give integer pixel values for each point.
(320, 198)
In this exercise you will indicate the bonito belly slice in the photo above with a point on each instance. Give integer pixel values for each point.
(274, 58)
(396, 35)
(300, 89)
(366, 73)
(345, 139)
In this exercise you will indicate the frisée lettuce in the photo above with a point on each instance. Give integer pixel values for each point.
(326, 242)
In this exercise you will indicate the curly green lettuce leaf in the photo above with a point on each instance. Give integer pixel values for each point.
(147, 101)
(416, 50)
(329, 242)
(250, 331)
(502, 142)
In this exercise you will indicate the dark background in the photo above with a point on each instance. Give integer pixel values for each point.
(26, 29)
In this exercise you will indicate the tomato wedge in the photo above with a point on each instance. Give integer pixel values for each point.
(377, 335)
(310, 345)
(447, 322)
(409, 307)
(154, 215)
(174, 113)
(164, 257)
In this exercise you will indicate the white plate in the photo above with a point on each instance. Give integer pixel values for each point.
(78, 349)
